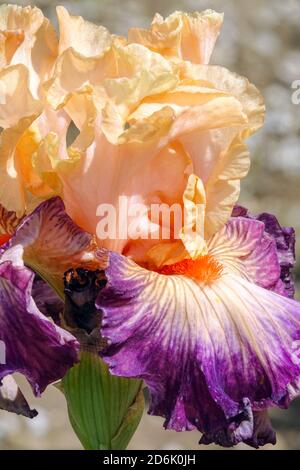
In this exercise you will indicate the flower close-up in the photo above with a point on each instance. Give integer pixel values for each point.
(127, 261)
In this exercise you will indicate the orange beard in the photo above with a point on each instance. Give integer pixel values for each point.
(4, 239)
(204, 269)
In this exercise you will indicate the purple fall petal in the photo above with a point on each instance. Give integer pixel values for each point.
(212, 355)
(52, 243)
(284, 238)
(13, 400)
(34, 346)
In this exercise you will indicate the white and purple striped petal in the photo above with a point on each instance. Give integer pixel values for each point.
(215, 356)
(284, 238)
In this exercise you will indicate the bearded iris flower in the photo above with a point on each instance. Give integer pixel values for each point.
(206, 318)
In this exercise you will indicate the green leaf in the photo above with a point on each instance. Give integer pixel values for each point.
(104, 410)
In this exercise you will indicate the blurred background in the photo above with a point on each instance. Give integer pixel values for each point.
(261, 40)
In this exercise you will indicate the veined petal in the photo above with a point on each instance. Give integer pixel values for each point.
(210, 353)
(244, 247)
(52, 243)
(33, 345)
(188, 36)
(284, 239)
(8, 222)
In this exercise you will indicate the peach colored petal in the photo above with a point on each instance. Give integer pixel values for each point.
(83, 36)
(38, 181)
(36, 151)
(188, 94)
(52, 155)
(188, 36)
(39, 47)
(9, 42)
(166, 253)
(12, 195)
(220, 156)
(52, 121)
(157, 128)
(133, 58)
(192, 243)
(219, 113)
(127, 92)
(162, 183)
(192, 234)
(34, 181)
(235, 85)
(153, 128)
(152, 122)
(223, 185)
(214, 111)
(21, 188)
(16, 101)
(19, 109)
(74, 73)
(138, 171)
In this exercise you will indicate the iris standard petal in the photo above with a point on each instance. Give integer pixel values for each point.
(220, 157)
(83, 36)
(16, 99)
(18, 111)
(142, 103)
(34, 45)
(187, 36)
(12, 194)
(32, 344)
(210, 352)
